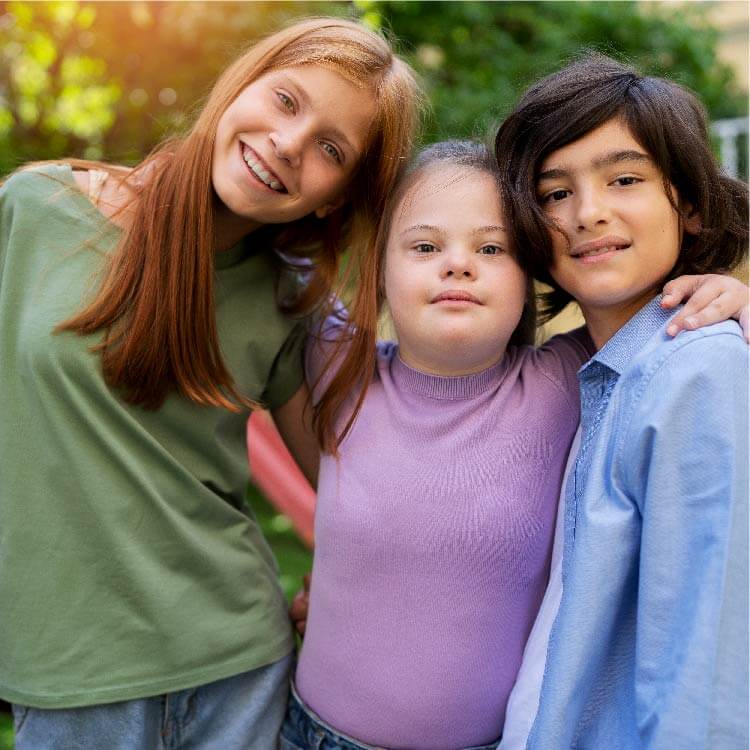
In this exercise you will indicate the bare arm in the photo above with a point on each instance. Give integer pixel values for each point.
(294, 422)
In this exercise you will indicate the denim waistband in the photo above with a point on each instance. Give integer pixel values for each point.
(343, 741)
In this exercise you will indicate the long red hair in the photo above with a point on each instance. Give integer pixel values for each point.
(156, 300)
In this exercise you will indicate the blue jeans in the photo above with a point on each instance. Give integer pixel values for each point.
(305, 730)
(243, 712)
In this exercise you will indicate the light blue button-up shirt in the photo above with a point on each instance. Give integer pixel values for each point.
(650, 645)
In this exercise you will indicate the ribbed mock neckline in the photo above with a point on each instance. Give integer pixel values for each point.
(448, 388)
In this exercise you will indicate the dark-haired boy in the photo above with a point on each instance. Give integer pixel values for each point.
(610, 190)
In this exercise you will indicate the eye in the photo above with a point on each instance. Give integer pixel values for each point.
(425, 247)
(626, 180)
(490, 250)
(331, 150)
(286, 101)
(555, 195)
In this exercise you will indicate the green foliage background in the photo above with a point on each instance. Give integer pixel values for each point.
(109, 80)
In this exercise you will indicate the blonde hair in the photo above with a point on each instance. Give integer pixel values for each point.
(156, 300)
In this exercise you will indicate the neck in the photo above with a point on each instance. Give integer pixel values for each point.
(604, 322)
(229, 228)
(445, 368)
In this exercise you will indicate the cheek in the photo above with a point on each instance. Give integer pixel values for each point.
(399, 291)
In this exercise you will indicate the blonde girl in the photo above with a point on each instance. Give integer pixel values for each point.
(141, 314)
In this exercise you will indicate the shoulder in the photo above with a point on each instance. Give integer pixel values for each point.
(679, 412)
(35, 180)
(694, 384)
(715, 351)
(557, 362)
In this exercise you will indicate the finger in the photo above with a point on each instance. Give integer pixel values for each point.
(298, 607)
(676, 290)
(745, 322)
(300, 626)
(707, 305)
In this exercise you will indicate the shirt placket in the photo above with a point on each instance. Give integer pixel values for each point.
(597, 384)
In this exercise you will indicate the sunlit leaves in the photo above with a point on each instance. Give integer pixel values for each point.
(53, 90)
(112, 79)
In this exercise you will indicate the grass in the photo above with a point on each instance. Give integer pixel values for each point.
(6, 732)
(294, 561)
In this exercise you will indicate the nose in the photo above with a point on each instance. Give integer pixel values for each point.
(287, 145)
(592, 208)
(458, 264)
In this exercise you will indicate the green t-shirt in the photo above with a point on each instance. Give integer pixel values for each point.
(129, 563)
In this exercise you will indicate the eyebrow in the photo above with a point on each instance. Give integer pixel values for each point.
(489, 229)
(421, 228)
(333, 131)
(606, 160)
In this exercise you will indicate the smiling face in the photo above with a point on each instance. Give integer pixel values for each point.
(289, 144)
(619, 235)
(454, 292)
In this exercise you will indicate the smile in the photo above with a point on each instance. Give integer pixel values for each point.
(600, 249)
(260, 169)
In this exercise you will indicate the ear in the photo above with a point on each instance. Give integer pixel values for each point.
(329, 208)
(692, 223)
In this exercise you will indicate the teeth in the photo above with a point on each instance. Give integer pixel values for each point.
(258, 169)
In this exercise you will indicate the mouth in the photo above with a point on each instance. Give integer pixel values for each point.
(260, 170)
(455, 296)
(605, 247)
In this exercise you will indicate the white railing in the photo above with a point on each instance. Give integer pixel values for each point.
(728, 133)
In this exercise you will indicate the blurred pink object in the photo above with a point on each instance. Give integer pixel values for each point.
(274, 472)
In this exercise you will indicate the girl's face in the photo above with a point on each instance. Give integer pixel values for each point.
(289, 144)
(455, 292)
(620, 235)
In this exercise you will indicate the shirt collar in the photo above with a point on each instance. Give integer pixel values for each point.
(617, 353)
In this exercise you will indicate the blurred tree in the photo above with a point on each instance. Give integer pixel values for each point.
(477, 57)
(109, 80)
(53, 95)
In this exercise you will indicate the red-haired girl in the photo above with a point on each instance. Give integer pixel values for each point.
(141, 313)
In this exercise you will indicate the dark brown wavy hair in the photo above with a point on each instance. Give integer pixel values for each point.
(669, 123)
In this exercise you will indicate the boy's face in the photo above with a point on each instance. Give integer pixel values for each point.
(619, 233)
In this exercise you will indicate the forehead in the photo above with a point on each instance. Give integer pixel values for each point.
(444, 192)
(613, 141)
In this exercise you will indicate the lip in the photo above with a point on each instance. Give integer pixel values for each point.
(455, 296)
(599, 249)
(244, 147)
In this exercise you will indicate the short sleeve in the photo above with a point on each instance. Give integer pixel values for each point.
(287, 370)
(326, 348)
